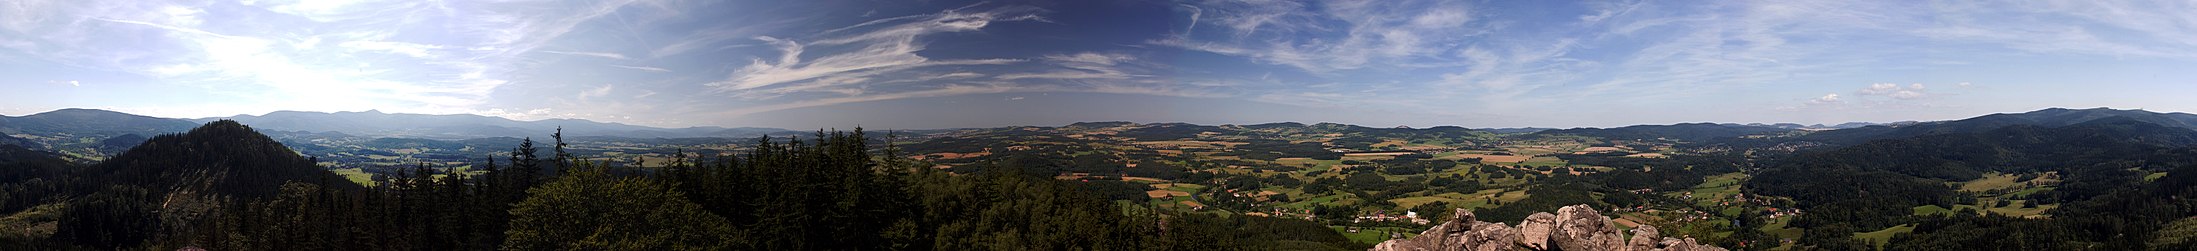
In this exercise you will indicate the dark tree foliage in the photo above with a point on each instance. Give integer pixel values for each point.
(2122, 218)
(1115, 189)
(1546, 198)
(25, 174)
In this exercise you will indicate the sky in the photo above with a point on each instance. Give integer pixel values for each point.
(942, 64)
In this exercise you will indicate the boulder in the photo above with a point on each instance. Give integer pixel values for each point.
(1687, 244)
(1489, 237)
(1579, 228)
(1533, 233)
(1644, 239)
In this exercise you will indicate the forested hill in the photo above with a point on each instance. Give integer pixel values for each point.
(2054, 117)
(2097, 167)
(223, 157)
(168, 183)
(90, 122)
(14, 141)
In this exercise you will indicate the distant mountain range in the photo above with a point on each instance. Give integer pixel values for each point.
(2054, 117)
(467, 126)
(1695, 132)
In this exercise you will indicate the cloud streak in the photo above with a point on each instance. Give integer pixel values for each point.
(606, 55)
(885, 46)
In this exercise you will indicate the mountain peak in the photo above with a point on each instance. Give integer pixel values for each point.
(367, 111)
(223, 126)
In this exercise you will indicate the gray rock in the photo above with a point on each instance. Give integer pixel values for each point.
(1489, 237)
(1533, 233)
(1644, 239)
(1579, 228)
(1687, 244)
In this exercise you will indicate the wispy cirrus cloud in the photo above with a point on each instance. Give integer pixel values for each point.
(1330, 36)
(606, 55)
(642, 68)
(883, 46)
(1085, 65)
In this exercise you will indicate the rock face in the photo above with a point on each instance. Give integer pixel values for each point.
(1534, 231)
(1579, 228)
(1572, 228)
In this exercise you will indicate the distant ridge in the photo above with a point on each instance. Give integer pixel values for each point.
(2052, 117)
(91, 122)
(1687, 131)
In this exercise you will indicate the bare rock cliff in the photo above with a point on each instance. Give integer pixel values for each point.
(1572, 228)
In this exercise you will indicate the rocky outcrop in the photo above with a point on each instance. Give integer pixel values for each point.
(1460, 234)
(1572, 228)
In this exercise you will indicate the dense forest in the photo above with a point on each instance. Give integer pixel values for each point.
(224, 187)
(2107, 201)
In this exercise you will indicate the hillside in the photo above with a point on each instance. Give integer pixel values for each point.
(14, 141)
(90, 122)
(169, 181)
(222, 157)
(2053, 117)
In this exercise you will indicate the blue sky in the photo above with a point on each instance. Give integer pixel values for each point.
(933, 64)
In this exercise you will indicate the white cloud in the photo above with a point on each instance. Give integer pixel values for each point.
(1880, 89)
(609, 55)
(715, 37)
(1907, 95)
(1826, 99)
(1085, 65)
(643, 68)
(1337, 36)
(961, 75)
(401, 48)
(883, 46)
(1090, 58)
(952, 90)
(596, 92)
(1911, 91)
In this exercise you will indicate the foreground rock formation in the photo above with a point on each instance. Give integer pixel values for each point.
(1572, 228)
